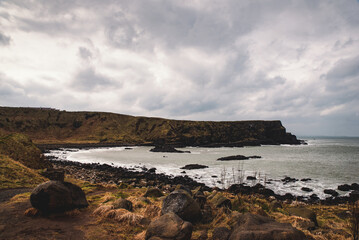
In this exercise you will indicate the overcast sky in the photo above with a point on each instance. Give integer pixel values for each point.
(296, 61)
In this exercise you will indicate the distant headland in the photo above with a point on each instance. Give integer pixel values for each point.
(49, 128)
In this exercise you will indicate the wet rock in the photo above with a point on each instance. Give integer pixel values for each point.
(289, 180)
(182, 204)
(194, 166)
(305, 179)
(304, 213)
(331, 192)
(152, 170)
(254, 157)
(354, 186)
(122, 203)
(305, 189)
(57, 196)
(344, 187)
(221, 233)
(253, 227)
(166, 148)
(169, 226)
(314, 197)
(251, 178)
(235, 157)
(153, 192)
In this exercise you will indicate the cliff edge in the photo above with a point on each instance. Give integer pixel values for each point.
(51, 126)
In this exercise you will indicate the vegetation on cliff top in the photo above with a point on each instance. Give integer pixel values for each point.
(20, 148)
(46, 126)
(15, 175)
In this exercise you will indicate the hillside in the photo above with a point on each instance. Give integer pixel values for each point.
(20, 148)
(14, 174)
(51, 126)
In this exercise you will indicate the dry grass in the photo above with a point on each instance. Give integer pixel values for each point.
(15, 175)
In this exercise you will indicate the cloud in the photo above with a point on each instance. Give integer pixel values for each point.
(4, 40)
(223, 60)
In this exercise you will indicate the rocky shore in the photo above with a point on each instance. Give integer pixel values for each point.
(107, 174)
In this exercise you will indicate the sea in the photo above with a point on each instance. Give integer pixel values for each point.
(326, 161)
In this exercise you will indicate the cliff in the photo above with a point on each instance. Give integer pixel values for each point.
(51, 126)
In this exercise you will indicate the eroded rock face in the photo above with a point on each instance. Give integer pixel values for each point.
(255, 227)
(57, 196)
(169, 226)
(182, 204)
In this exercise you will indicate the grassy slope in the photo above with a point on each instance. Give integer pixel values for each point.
(20, 148)
(54, 126)
(14, 175)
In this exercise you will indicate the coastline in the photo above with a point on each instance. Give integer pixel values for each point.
(107, 174)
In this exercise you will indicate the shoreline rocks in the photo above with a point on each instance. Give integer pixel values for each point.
(194, 166)
(237, 157)
(167, 149)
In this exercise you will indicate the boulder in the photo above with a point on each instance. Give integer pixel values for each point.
(200, 198)
(344, 187)
(304, 213)
(221, 233)
(331, 192)
(182, 204)
(153, 192)
(354, 186)
(122, 203)
(169, 226)
(254, 227)
(57, 196)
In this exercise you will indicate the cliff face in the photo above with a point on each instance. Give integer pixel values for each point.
(46, 126)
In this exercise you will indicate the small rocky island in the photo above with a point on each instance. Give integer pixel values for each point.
(236, 157)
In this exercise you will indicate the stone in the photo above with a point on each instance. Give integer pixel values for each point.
(181, 187)
(344, 187)
(251, 178)
(331, 192)
(354, 186)
(200, 198)
(194, 166)
(153, 192)
(304, 213)
(168, 149)
(182, 204)
(122, 203)
(57, 196)
(221, 233)
(169, 226)
(254, 227)
(230, 158)
(305, 189)
(54, 174)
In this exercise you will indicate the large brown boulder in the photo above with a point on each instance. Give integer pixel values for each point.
(256, 227)
(169, 226)
(57, 196)
(182, 204)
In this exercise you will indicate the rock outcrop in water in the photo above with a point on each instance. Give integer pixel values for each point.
(87, 129)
